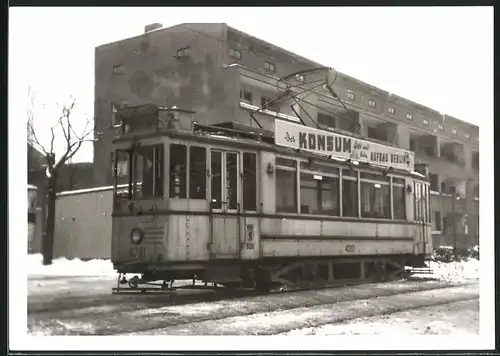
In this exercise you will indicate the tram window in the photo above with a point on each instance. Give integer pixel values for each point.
(148, 171)
(158, 172)
(232, 180)
(377, 177)
(216, 179)
(286, 162)
(286, 191)
(314, 167)
(122, 176)
(319, 196)
(349, 195)
(375, 200)
(178, 168)
(249, 182)
(197, 172)
(398, 199)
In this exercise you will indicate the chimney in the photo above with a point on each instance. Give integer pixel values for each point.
(152, 27)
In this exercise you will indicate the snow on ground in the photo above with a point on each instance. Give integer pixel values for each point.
(65, 267)
(453, 272)
(458, 318)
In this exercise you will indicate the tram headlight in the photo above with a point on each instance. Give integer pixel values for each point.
(136, 235)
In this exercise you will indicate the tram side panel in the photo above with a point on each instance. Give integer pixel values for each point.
(294, 237)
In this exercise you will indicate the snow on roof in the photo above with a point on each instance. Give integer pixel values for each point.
(90, 190)
(417, 174)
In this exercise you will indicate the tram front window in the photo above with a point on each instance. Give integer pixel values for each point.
(148, 172)
(121, 173)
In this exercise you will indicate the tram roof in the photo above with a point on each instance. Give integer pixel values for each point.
(243, 135)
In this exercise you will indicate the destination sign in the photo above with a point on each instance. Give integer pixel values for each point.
(341, 146)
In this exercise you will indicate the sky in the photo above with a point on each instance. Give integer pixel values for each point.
(438, 57)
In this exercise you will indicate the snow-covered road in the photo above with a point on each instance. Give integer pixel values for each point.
(80, 302)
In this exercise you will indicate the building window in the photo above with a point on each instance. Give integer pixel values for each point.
(371, 103)
(269, 67)
(454, 131)
(391, 110)
(349, 193)
(235, 53)
(467, 136)
(286, 186)
(398, 198)
(326, 120)
(246, 96)
(178, 171)
(197, 172)
(375, 196)
(425, 122)
(118, 69)
(148, 172)
(319, 190)
(183, 52)
(409, 116)
(351, 96)
(269, 104)
(440, 127)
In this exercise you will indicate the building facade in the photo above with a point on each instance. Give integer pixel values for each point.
(224, 75)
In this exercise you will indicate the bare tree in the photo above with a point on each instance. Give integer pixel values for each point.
(73, 143)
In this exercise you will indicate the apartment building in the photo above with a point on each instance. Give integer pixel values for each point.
(224, 74)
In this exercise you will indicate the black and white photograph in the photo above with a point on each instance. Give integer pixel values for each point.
(289, 178)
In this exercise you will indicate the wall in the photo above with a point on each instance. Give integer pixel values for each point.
(83, 225)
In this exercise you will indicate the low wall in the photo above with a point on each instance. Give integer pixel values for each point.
(83, 224)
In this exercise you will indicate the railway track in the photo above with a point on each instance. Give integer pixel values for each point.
(140, 313)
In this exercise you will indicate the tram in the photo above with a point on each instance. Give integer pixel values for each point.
(32, 201)
(241, 206)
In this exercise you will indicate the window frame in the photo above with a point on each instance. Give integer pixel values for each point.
(190, 172)
(318, 189)
(425, 122)
(391, 110)
(133, 171)
(184, 52)
(372, 103)
(244, 91)
(233, 53)
(385, 182)
(409, 116)
(351, 96)
(269, 66)
(398, 185)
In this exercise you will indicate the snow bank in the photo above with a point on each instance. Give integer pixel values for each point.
(453, 272)
(65, 267)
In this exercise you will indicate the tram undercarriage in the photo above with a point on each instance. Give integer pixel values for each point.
(275, 274)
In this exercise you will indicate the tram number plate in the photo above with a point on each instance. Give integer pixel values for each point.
(350, 248)
(137, 252)
(250, 246)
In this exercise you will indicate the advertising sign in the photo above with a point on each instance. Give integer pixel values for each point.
(341, 146)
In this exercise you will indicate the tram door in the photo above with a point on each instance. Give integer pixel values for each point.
(225, 204)
(420, 216)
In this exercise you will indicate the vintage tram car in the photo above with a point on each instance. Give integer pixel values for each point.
(243, 206)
